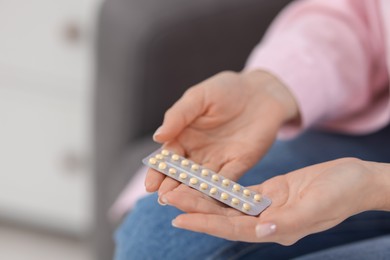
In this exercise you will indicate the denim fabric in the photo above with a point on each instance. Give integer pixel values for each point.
(147, 233)
(376, 248)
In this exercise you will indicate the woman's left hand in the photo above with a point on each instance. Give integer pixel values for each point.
(305, 201)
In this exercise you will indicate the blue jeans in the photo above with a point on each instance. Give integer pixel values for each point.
(147, 233)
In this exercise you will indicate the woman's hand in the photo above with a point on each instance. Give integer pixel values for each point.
(225, 123)
(306, 201)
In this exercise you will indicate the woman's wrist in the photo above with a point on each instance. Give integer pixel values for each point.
(277, 91)
(379, 186)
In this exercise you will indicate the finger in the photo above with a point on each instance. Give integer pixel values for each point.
(237, 163)
(181, 114)
(153, 180)
(233, 228)
(284, 229)
(168, 184)
(233, 170)
(276, 188)
(182, 188)
(194, 202)
(214, 166)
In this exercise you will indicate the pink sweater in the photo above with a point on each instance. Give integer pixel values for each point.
(333, 55)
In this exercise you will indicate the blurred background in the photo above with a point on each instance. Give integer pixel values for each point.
(46, 82)
(83, 85)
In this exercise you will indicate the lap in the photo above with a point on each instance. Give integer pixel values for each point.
(147, 232)
(376, 248)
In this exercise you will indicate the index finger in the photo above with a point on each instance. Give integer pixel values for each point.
(181, 114)
(153, 180)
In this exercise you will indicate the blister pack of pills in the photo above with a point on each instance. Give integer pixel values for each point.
(208, 182)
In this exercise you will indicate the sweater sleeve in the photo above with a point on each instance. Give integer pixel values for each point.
(331, 55)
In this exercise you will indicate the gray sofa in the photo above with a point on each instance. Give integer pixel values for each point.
(148, 53)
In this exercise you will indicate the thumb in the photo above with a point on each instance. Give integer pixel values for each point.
(189, 107)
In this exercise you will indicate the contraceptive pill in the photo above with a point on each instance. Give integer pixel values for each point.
(224, 196)
(194, 167)
(204, 186)
(205, 173)
(213, 191)
(162, 166)
(152, 161)
(165, 152)
(236, 187)
(235, 201)
(172, 171)
(226, 182)
(194, 181)
(185, 162)
(257, 197)
(207, 182)
(246, 207)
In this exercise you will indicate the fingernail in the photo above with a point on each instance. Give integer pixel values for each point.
(149, 191)
(162, 201)
(263, 230)
(174, 224)
(158, 132)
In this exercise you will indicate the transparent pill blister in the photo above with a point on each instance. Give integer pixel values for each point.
(207, 182)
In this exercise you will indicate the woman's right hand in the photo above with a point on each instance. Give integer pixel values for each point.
(226, 123)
